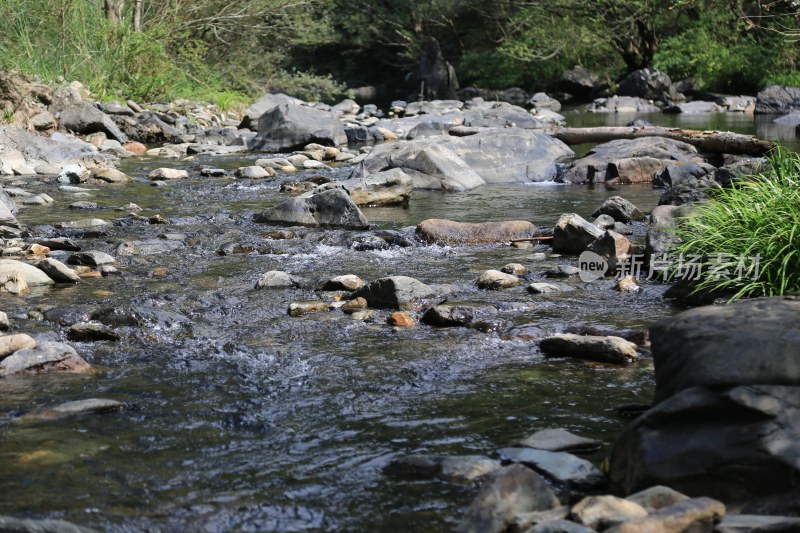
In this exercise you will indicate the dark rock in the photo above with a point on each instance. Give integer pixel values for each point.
(266, 103)
(778, 99)
(58, 271)
(92, 258)
(647, 83)
(330, 208)
(561, 467)
(572, 234)
(505, 494)
(615, 248)
(619, 209)
(436, 76)
(394, 292)
(118, 317)
(84, 118)
(559, 526)
(740, 170)
(291, 127)
(734, 523)
(458, 469)
(661, 239)
(451, 316)
(602, 512)
(579, 82)
(657, 497)
(674, 175)
(87, 332)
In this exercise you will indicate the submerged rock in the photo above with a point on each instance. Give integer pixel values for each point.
(47, 357)
(304, 308)
(68, 409)
(496, 280)
(559, 440)
(506, 493)
(561, 467)
(25, 525)
(449, 316)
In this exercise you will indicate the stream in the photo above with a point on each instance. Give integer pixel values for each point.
(241, 418)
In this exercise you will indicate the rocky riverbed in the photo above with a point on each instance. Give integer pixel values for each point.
(251, 353)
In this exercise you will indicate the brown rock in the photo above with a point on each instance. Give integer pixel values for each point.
(38, 249)
(601, 512)
(401, 319)
(135, 148)
(635, 169)
(13, 283)
(304, 308)
(627, 284)
(356, 304)
(448, 231)
(655, 498)
(11, 343)
(696, 514)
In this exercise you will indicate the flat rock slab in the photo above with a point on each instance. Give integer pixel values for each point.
(65, 410)
(561, 467)
(33, 276)
(47, 357)
(560, 440)
(451, 232)
(696, 514)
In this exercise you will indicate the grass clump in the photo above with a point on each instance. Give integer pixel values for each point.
(748, 235)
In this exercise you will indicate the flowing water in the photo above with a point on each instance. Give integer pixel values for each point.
(240, 418)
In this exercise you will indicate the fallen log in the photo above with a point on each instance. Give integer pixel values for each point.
(721, 142)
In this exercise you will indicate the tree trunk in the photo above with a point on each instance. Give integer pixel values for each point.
(720, 142)
(137, 15)
(113, 10)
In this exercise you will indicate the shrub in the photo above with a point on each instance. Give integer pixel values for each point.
(757, 217)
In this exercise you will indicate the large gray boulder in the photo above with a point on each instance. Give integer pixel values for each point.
(292, 126)
(726, 421)
(502, 115)
(59, 152)
(579, 82)
(85, 118)
(509, 155)
(647, 83)
(266, 103)
(592, 168)
(32, 275)
(572, 234)
(778, 99)
(622, 104)
(332, 208)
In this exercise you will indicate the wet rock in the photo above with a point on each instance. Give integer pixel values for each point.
(84, 118)
(83, 224)
(266, 103)
(29, 274)
(93, 258)
(691, 174)
(348, 282)
(447, 231)
(401, 319)
(39, 199)
(559, 440)
(733, 523)
(22, 525)
(561, 467)
(458, 469)
(149, 247)
(572, 234)
(111, 175)
(391, 187)
(544, 101)
(4, 323)
(164, 174)
(450, 316)
(696, 514)
(602, 512)
(253, 173)
(661, 239)
(354, 305)
(289, 127)
(613, 350)
(58, 271)
(634, 170)
(657, 497)
(516, 269)
(694, 108)
(394, 292)
(212, 172)
(603, 221)
(83, 205)
(562, 271)
(546, 288)
(579, 82)
(304, 308)
(627, 284)
(496, 280)
(69, 409)
(88, 331)
(620, 209)
(118, 317)
(12, 343)
(506, 493)
(331, 208)
(46, 357)
(616, 249)
(363, 315)
(277, 279)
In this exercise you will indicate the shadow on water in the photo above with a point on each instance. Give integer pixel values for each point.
(242, 419)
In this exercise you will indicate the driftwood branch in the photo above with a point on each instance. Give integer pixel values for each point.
(723, 142)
